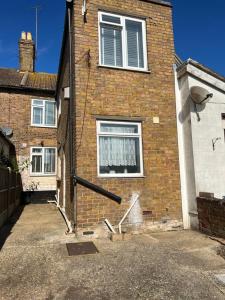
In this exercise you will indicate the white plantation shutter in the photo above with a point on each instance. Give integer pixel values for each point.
(135, 51)
(111, 46)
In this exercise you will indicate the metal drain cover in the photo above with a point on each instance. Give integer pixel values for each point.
(81, 248)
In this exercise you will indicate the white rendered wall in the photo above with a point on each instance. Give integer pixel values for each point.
(209, 164)
(202, 169)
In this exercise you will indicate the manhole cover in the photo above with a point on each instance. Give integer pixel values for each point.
(81, 248)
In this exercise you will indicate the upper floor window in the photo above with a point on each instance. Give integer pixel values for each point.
(119, 149)
(43, 113)
(43, 161)
(122, 41)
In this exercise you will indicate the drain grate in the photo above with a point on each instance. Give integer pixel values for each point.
(81, 248)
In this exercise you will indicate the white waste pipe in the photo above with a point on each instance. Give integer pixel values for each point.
(110, 225)
(135, 197)
(68, 223)
(53, 201)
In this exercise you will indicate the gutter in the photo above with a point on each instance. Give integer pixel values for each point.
(27, 89)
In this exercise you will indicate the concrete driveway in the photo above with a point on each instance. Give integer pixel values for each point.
(35, 263)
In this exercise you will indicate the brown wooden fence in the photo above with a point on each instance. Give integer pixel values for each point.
(10, 193)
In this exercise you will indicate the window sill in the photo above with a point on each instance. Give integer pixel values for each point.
(42, 175)
(120, 176)
(125, 69)
(43, 126)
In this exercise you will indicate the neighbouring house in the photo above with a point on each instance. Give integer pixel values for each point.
(28, 116)
(117, 115)
(201, 135)
(10, 179)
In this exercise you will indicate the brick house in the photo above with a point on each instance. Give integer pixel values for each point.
(117, 118)
(27, 108)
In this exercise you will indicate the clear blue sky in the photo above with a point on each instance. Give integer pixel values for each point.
(198, 26)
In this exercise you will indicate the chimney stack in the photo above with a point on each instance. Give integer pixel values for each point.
(26, 52)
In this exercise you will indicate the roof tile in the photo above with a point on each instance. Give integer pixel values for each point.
(12, 78)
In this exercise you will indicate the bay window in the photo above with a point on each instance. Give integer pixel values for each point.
(119, 149)
(122, 41)
(43, 161)
(43, 113)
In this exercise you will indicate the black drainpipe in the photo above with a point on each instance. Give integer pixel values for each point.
(72, 141)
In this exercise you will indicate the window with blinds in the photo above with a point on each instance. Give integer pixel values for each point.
(122, 41)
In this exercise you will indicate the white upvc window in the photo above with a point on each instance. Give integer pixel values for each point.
(122, 42)
(119, 149)
(43, 113)
(43, 161)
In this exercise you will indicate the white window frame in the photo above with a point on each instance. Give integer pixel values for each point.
(43, 116)
(137, 135)
(124, 40)
(41, 174)
(59, 108)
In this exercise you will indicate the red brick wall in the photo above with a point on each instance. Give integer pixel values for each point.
(211, 215)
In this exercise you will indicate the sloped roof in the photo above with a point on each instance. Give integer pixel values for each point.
(12, 78)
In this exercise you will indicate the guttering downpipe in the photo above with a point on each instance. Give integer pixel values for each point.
(71, 110)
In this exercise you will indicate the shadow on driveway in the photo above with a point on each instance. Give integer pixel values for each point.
(6, 230)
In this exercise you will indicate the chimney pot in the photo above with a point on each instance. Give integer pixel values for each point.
(23, 35)
(29, 36)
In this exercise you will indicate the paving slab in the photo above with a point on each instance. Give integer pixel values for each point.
(35, 264)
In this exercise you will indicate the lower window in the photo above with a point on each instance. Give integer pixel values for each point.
(43, 161)
(119, 149)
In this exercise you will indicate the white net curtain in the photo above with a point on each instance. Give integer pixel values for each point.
(117, 151)
(120, 150)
